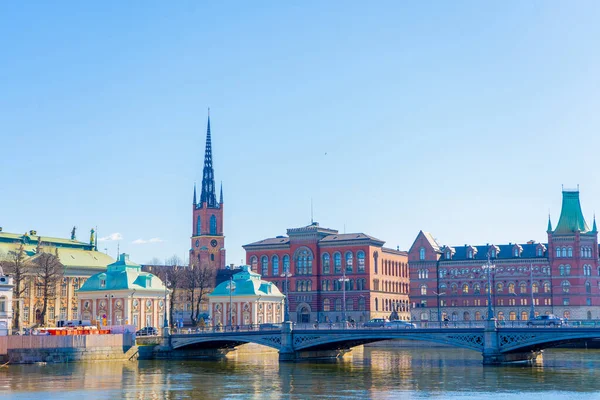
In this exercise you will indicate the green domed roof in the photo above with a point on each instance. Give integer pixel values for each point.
(247, 283)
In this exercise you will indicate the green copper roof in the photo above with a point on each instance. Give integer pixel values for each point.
(247, 283)
(571, 218)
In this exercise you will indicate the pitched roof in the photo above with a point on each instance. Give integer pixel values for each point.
(247, 283)
(360, 237)
(529, 250)
(431, 241)
(279, 240)
(571, 218)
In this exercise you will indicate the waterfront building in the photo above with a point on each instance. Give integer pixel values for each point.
(79, 259)
(558, 277)
(246, 299)
(123, 294)
(6, 295)
(208, 240)
(329, 276)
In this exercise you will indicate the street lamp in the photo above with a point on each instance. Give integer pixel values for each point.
(438, 305)
(231, 288)
(286, 274)
(165, 320)
(489, 267)
(343, 279)
(517, 304)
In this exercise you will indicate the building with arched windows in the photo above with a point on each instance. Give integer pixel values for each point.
(559, 277)
(326, 274)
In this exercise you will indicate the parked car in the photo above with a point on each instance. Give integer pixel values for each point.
(376, 323)
(399, 324)
(147, 331)
(546, 320)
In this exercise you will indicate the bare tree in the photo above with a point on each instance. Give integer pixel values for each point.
(48, 272)
(16, 265)
(199, 281)
(174, 278)
(155, 261)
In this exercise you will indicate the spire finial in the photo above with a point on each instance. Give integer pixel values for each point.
(549, 224)
(594, 228)
(195, 194)
(221, 197)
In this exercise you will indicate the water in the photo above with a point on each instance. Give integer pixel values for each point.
(377, 373)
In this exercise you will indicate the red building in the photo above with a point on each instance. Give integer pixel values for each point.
(208, 241)
(559, 277)
(316, 262)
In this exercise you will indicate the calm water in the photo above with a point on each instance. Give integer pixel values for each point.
(378, 373)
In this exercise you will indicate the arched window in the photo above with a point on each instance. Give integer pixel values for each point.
(338, 304)
(454, 288)
(448, 254)
(361, 261)
(499, 288)
(511, 288)
(286, 264)
(476, 288)
(547, 287)
(500, 316)
(493, 253)
(303, 259)
(326, 305)
(376, 304)
(361, 304)
(522, 287)
(558, 252)
(465, 288)
(564, 251)
(588, 287)
(570, 252)
(422, 253)
(535, 288)
(583, 252)
(539, 252)
(337, 263)
(477, 315)
(349, 304)
(470, 255)
(264, 262)
(561, 269)
(198, 226)
(589, 315)
(423, 290)
(567, 270)
(254, 263)
(213, 225)
(2, 304)
(516, 252)
(349, 261)
(512, 316)
(566, 286)
(326, 263)
(275, 262)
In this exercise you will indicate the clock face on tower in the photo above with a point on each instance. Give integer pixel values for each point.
(213, 243)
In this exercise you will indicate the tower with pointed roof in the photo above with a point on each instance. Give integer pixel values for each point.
(208, 241)
(572, 254)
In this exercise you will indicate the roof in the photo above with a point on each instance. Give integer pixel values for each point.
(529, 250)
(431, 240)
(279, 240)
(123, 275)
(571, 218)
(247, 283)
(32, 239)
(350, 237)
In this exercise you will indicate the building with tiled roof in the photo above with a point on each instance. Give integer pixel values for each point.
(558, 277)
(80, 261)
(332, 275)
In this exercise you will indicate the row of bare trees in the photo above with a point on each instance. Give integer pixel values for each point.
(44, 269)
(194, 282)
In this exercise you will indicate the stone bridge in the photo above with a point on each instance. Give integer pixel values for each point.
(497, 344)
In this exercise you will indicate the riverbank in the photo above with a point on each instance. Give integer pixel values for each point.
(65, 349)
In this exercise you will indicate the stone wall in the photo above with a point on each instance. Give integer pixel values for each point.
(32, 349)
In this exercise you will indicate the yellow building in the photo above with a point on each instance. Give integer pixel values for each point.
(80, 260)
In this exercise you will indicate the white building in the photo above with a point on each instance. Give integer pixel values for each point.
(6, 312)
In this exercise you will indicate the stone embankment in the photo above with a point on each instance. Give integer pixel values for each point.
(60, 349)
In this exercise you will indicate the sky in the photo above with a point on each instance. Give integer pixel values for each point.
(460, 118)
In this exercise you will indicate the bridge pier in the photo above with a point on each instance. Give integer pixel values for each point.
(491, 348)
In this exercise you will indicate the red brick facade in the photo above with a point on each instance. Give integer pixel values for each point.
(318, 261)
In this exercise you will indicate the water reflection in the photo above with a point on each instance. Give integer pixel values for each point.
(378, 373)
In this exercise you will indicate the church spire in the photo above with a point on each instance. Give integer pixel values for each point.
(208, 195)
(549, 224)
(594, 228)
(221, 197)
(195, 202)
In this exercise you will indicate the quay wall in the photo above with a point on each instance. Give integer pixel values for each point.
(57, 349)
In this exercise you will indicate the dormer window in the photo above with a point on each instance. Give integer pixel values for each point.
(516, 252)
(102, 283)
(448, 253)
(493, 253)
(539, 252)
(470, 254)
(149, 281)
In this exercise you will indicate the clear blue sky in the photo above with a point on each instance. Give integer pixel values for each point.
(459, 118)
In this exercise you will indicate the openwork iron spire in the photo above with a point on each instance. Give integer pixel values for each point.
(208, 195)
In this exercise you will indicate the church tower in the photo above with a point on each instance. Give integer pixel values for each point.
(208, 242)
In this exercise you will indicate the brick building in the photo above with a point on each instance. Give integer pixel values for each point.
(318, 261)
(559, 277)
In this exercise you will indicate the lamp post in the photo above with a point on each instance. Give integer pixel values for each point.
(517, 304)
(439, 312)
(109, 298)
(231, 288)
(165, 320)
(532, 308)
(489, 267)
(286, 275)
(343, 279)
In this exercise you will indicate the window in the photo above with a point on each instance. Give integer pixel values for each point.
(454, 288)
(337, 263)
(275, 262)
(422, 253)
(547, 287)
(566, 286)
(465, 288)
(587, 270)
(51, 313)
(511, 288)
(361, 304)
(561, 270)
(198, 226)
(535, 288)
(493, 255)
(476, 288)
(361, 261)
(303, 259)
(539, 252)
(212, 257)
(564, 251)
(516, 252)
(376, 258)
(570, 252)
(499, 288)
(3, 308)
(470, 254)
(423, 290)
(349, 261)
(588, 287)
(254, 263)
(557, 252)
(567, 270)
(102, 282)
(349, 304)
(264, 262)
(326, 305)
(326, 263)
(522, 287)
(74, 313)
(338, 304)
(213, 225)
(566, 301)
(286, 264)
